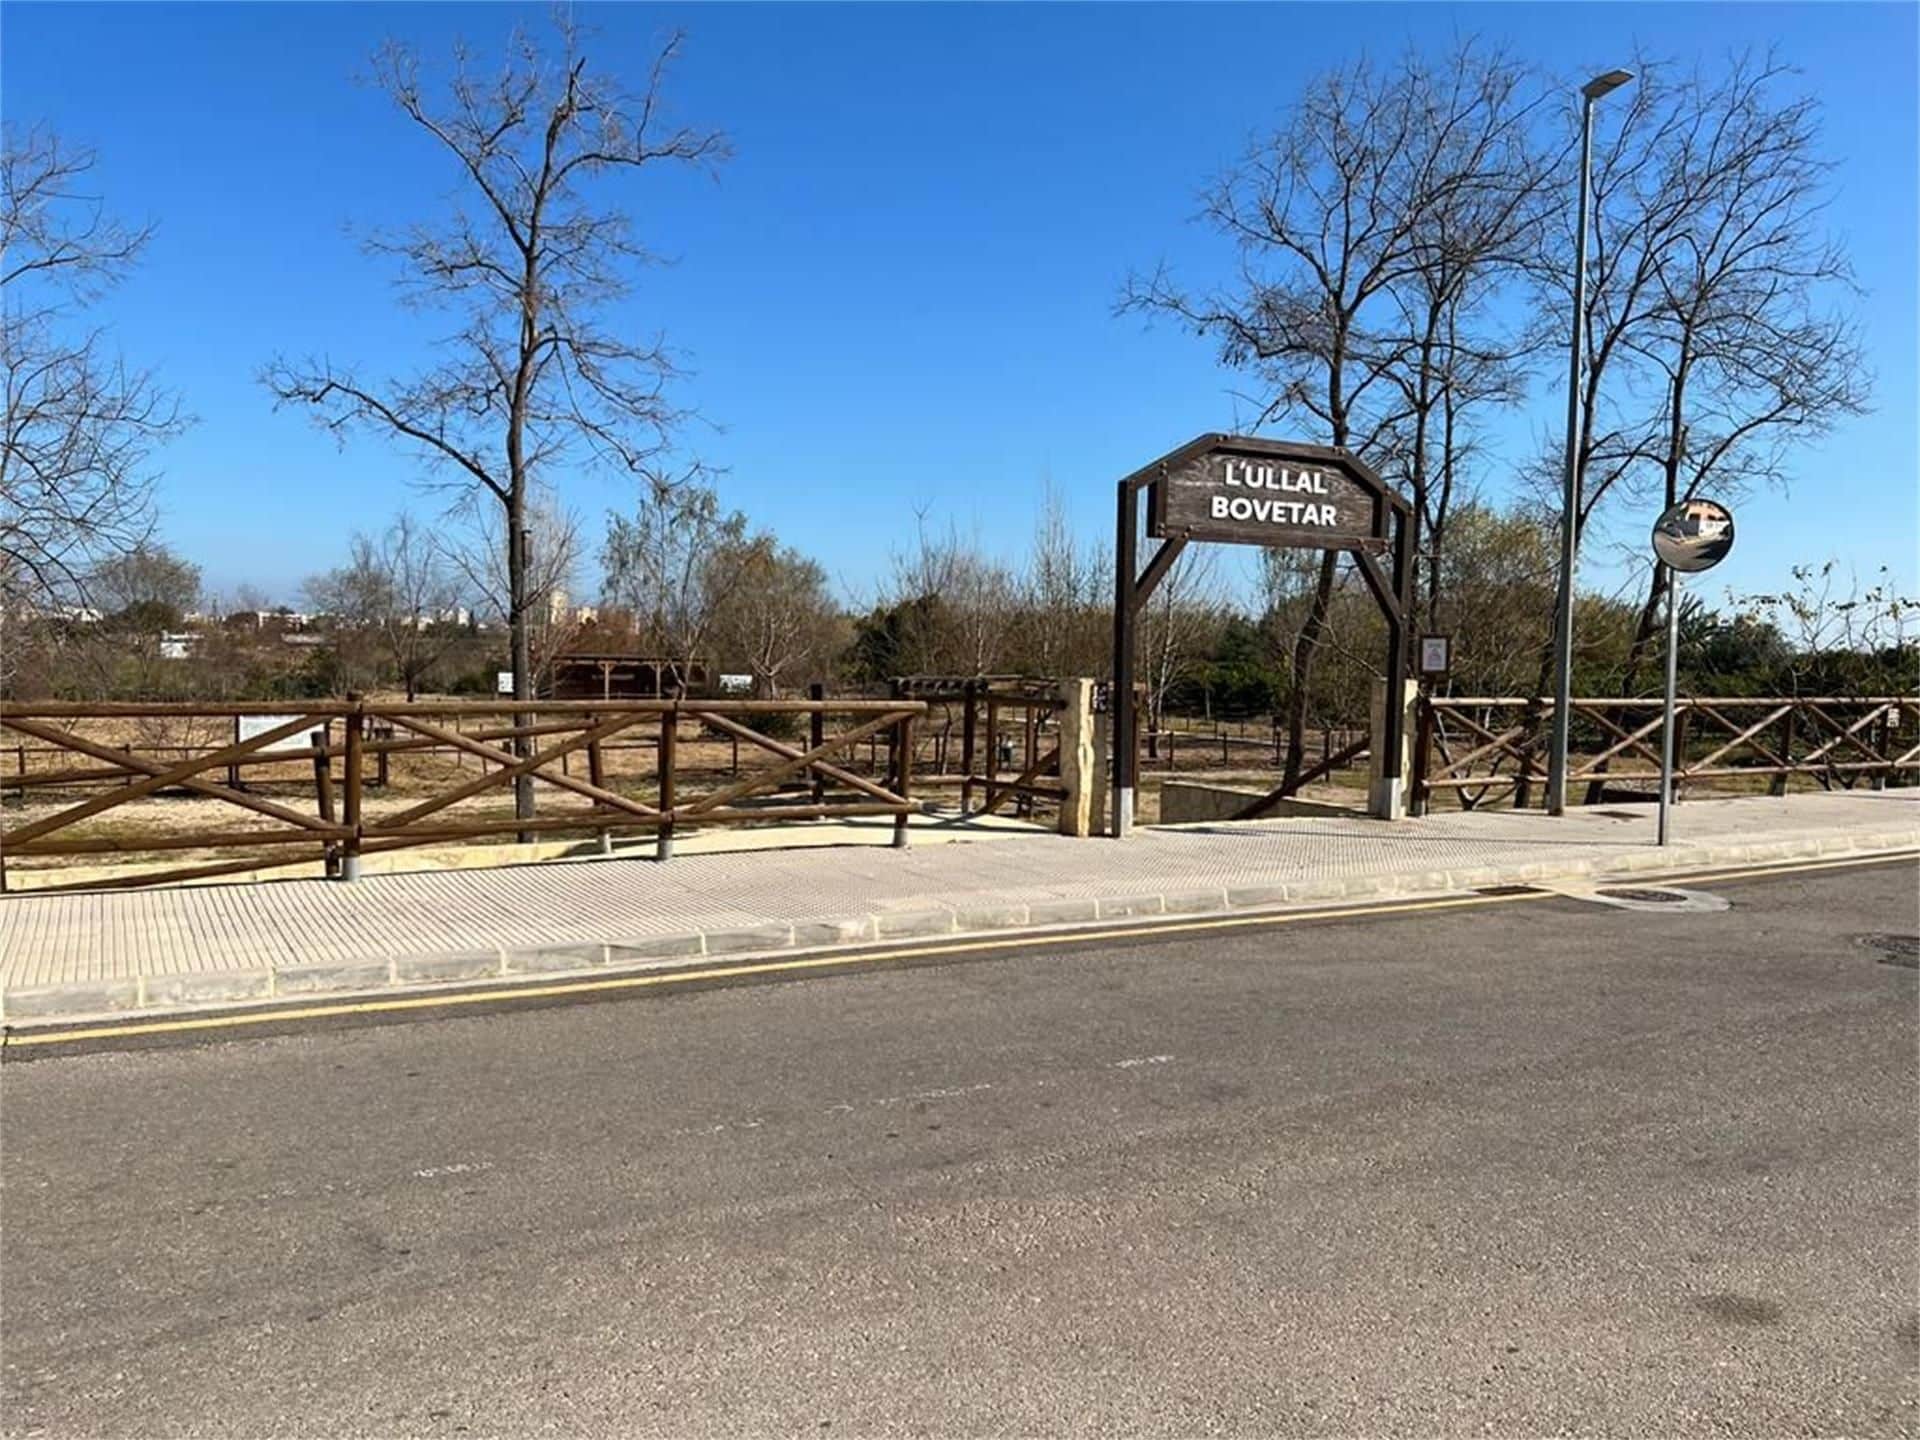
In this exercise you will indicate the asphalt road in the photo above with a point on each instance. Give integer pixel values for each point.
(1545, 1166)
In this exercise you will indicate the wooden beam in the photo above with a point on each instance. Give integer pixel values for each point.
(1156, 571)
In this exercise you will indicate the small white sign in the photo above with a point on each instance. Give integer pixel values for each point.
(735, 684)
(1436, 654)
(245, 727)
(503, 682)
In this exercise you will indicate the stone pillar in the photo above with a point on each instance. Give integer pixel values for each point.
(1387, 795)
(1079, 758)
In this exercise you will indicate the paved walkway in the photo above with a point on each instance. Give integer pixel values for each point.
(66, 954)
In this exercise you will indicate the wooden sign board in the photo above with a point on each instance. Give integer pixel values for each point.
(245, 727)
(1246, 491)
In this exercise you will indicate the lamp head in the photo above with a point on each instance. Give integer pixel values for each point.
(1605, 84)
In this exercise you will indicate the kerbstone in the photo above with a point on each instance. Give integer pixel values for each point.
(208, 987)
(655, 947)
(1328, 889)
(1194, 902)
(757, 937)
(556, 957)
(848, 931)
(892, 926)
(989, 917)
(474, 965)
(1122, 907)
(1062, 912)
(320, 979)
(89, 998)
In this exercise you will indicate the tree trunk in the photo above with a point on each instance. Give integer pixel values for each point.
(521, 639)
(1649, 622)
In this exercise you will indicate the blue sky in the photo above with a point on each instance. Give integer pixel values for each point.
(898, 296)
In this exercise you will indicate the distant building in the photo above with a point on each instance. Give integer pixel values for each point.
(611, 675)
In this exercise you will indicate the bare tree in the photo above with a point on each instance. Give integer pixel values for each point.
(549, 571)
(956, 605)
(80, 424)
(776, 616)
(1838, 636)
(1475, 175)
(533, 265)
(1066, 623)
(148, 585)
(1710, 348)
(1178, 626)
(1333, 218)
(659, 564)
(402, 592)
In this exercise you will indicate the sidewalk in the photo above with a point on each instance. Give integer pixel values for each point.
(62, 956)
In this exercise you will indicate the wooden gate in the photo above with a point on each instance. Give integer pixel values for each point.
(1009, 727)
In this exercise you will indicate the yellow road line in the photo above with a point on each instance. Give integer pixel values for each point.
(873, 957)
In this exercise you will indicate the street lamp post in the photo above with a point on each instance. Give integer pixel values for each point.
(1570, 501)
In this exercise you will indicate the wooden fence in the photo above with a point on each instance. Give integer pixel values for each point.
(1483, 749)
(505, 741)
(996, 716)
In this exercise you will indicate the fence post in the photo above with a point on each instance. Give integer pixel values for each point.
(669, 735)
(1883, 748)
(1422, 743)
(1681, 725)
(900, 736)
(597, 777)
(355, 760)
(816, 735)
(969, 693)
(1781, 781)
(323, 796)
(1029, 752)
(1529, 732)
(993, 746)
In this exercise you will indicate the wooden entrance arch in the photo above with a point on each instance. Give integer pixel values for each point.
(1242, 490)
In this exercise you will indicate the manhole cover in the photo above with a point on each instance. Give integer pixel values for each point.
(1893, 949)
(1646, 897)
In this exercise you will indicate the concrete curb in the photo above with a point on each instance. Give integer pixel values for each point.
(160, 995)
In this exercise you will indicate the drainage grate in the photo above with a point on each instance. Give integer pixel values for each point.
(1646, 897)
(1901, 950)
(1508, 890)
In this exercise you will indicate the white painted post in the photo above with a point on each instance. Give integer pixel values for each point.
(1387, 798)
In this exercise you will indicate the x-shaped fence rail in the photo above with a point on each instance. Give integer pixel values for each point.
(1483, 748)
